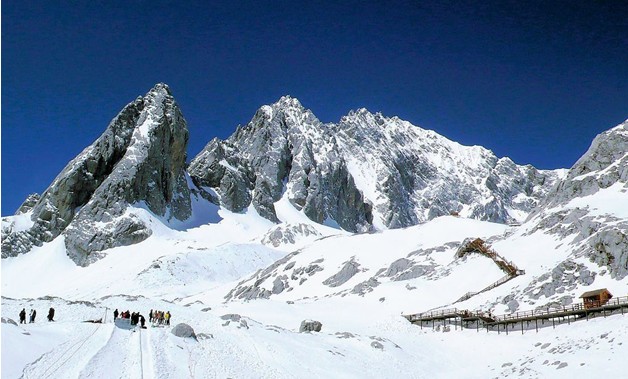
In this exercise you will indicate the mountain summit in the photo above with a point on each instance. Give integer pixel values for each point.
(366, 171)
(139, 160)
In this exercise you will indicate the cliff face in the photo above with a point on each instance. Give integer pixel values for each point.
(367, 171)
(283, 151)
(138, 160)
(589, 203)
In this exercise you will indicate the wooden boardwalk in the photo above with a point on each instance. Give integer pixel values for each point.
(509, 268)
(469, 319)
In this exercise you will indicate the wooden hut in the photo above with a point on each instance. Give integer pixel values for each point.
(597, 298)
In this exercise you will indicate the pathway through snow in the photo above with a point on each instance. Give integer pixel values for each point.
(104, 350)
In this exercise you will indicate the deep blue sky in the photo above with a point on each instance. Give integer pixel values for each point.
(532, 80)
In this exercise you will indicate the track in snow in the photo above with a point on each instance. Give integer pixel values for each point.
(66, 360)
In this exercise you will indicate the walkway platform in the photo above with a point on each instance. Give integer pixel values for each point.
(463, 317)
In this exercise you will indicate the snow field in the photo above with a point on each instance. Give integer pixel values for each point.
(189, 273)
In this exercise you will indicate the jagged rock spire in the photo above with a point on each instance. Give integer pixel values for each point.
(138, 160)
(366, 170)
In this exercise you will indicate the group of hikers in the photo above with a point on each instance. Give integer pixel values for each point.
(159, 317)
(135, 317)
(155, 317)
(33, 314)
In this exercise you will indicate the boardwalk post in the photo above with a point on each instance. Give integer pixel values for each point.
(553, 325)
(536, 324)
(522, 327)
(506, 325)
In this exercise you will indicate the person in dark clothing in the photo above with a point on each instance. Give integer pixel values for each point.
(115, 314)
(142, 322)
(150, 316)
(23, 316)
(33, 314)
(51, 314)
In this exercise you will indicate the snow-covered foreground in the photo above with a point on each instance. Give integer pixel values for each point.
(391, 348)
(189, 273)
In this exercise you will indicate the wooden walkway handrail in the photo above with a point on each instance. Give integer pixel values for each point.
(559, 310)
(549, 312)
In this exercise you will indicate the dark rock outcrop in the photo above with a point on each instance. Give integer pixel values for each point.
(139, 160)
(183, 331)
(310, 326)
(28, 204)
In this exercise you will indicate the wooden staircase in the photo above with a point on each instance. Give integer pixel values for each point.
(478, 246)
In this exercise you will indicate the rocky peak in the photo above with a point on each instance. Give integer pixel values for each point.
(138, 161)
(390, 171)
(600, 175)
(283, 151)
(288, 101)
(604, 164)
(28, 204)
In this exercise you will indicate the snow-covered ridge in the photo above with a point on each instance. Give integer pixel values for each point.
(365, 172)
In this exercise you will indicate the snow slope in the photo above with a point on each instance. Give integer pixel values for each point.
(363, 335)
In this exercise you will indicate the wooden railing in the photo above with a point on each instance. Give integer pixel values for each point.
(538, 313)
(618, 302)
(499, 282)
(433, 314)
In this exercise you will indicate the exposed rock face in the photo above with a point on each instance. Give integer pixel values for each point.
(420, 175)
(289, 234)
(600, 236)
(366, 171)
(291, 272)
(604, 164)
(139, 160)
(283, 150)
(348, 270)
(28, 204)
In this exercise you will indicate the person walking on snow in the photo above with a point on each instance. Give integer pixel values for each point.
(51, 314)
(23, 316)
(115, 314)
(167, 318)
(33, 314)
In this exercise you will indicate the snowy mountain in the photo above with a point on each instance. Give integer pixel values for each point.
(367, 171)
(96, 202)
(247, 246)
(578, 234)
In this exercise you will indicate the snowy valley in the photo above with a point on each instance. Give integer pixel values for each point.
(354, 225)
